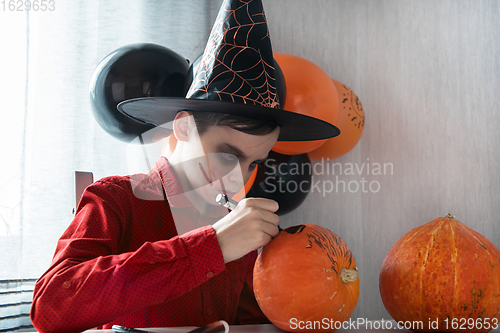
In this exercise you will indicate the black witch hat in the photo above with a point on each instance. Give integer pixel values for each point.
(235, 76)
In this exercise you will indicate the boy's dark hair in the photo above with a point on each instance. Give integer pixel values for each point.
(205, 120)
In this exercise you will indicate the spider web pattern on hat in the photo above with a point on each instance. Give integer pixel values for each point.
(237, 64)
(235, 75)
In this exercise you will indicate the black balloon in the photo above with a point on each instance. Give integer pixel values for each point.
(132, 71)
(285, 179)
(278, 73)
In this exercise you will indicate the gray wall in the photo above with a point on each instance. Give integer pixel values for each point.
(427, 74)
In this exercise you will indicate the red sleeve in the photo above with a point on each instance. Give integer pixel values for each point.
(249, 312)
(89, 284)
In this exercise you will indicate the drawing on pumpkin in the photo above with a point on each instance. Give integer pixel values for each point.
(334, 245)
(295, 229)
(253, 83)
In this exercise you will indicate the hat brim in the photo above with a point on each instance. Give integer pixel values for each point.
(294, 126)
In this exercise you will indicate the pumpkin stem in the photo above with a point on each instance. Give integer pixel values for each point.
(450, 216)
(349, 275)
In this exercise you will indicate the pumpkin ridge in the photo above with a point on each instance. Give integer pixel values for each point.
(455, 279)
(478, 240)
(424, 265)
(409, 238)
(491, 255)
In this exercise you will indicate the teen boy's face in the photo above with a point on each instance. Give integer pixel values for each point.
(230, 158)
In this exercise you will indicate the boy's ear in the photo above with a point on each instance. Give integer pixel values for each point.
(181, 125)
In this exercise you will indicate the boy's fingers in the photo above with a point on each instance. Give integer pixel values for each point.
(263, 203)
(271, 229)
(269, 217)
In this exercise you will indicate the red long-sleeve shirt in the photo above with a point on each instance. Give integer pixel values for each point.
(121, 261)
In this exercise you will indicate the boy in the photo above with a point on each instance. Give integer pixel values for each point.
(156, 250)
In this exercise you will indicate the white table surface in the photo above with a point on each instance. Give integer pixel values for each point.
(265, 329)
(236, 328)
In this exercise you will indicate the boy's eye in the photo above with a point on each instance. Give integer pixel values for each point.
(229, 157)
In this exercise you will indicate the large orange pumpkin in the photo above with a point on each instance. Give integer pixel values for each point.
(306, 279)
(444, 276)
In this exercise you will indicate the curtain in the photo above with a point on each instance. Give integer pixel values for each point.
(47, 130)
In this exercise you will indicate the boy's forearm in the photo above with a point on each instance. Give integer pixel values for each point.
(74, 296)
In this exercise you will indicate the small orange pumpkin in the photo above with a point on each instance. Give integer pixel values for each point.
(306, 279)
(445, 276)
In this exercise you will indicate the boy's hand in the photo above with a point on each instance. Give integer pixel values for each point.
(252, 224)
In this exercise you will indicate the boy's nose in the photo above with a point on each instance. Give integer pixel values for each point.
(238, 177)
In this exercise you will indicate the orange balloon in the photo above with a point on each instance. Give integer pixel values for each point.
(309, 91)
(351, 122)
(244, 190)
